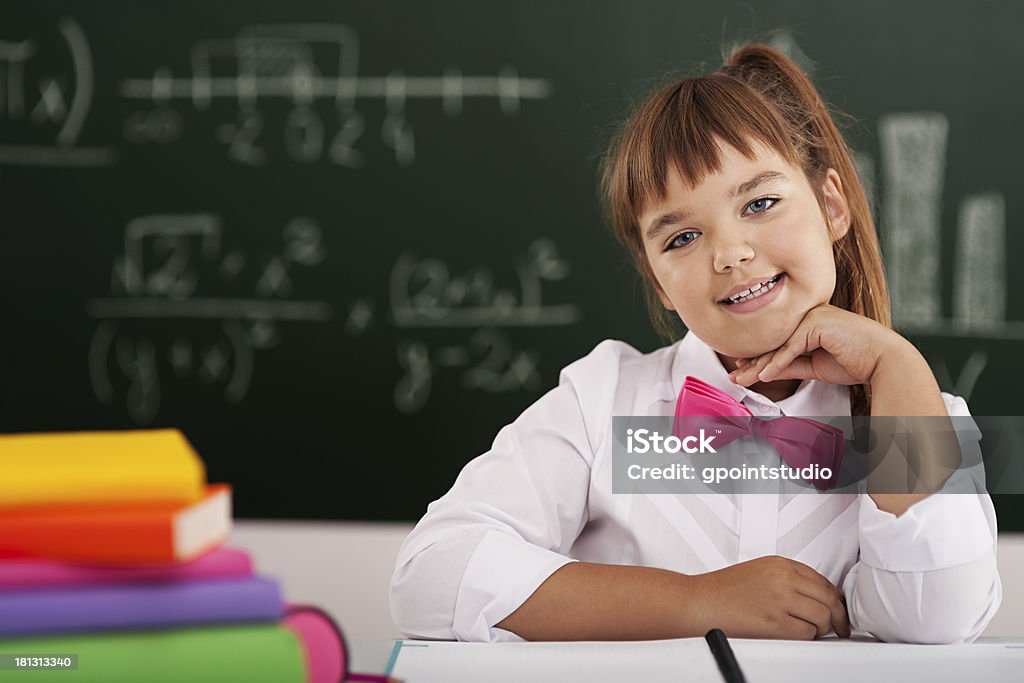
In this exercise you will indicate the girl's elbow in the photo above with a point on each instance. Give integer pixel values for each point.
(956, 609)
(412, 611)
(947, 625)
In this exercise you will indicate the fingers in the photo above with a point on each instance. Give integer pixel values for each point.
(785, 355)
(746, 373)
(817, 587)
(832, 601)
(757, 370)
(791, 600)
(786, 362)
(813, 612)
(801, 367)
(776, 364)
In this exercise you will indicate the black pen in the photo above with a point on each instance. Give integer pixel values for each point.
(727, 663)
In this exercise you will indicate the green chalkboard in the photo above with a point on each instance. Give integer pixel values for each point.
(341, 244)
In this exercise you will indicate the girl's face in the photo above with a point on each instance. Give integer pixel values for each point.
(756, 220)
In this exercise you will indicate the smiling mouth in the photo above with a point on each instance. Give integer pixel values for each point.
(762, 288)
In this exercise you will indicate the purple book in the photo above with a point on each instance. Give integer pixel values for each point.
(138, 606)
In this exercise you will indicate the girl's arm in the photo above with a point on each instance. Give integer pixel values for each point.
(769, 597)
(903, 385)
(927, 571)
(585, 601)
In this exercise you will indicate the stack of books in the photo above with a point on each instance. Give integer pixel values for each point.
(112, 560)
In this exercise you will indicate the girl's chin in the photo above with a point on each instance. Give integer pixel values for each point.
(755, 348)
(748, 342)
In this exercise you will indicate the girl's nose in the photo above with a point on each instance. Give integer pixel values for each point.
(731, 253)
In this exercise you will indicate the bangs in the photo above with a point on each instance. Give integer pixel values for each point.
(679, 126)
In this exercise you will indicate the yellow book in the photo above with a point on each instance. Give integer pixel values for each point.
(87, 467)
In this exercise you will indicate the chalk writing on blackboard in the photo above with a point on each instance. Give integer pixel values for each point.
(52, 105)
(171, 267)
(965, 381)
(287, 61)
(488, 362)
(913, 162)
(424, 293)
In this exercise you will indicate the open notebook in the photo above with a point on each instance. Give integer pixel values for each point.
(690, 659)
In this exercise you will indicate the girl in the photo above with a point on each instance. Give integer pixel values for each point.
(736, 195)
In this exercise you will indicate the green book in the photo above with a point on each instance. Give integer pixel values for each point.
(222, 654)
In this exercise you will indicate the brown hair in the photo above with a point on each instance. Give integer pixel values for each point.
(759, 94)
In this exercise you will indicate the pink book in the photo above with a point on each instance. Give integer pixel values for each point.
(29, 573)
(324, 646)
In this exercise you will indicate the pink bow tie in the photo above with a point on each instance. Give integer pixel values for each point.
(799, 442)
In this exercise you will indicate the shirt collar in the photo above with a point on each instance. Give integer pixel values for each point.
(812, 398)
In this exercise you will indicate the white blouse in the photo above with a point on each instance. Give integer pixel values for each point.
(542, 497)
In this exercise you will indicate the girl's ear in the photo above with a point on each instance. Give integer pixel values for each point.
(662, 297)
(836, 205)
(665, 301)
(651, 280)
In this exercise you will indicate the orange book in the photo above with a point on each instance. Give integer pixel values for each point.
(118, 533)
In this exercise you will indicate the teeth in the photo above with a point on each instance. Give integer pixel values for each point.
(754, 292)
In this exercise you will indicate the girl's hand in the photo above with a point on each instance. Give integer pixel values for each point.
(771, 597)
(830, 344)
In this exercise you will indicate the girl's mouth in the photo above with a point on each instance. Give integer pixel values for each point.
(757, 298)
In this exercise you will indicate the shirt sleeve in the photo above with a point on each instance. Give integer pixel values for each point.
(929, 575)
(510, 518)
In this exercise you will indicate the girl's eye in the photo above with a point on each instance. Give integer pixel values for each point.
(761, 205)
(679, 241)
(758, 206)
